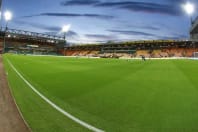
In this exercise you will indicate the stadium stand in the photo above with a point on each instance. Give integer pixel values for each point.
(19, 41)
(149, 49)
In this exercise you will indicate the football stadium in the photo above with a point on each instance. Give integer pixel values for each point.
(48, 84)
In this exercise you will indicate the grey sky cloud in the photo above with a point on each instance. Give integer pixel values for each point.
(149, 27)
(100, 16)
(72, 35)
(79, 2)
(125, 32)
(101, 37)
(135, 6)
(39, 26)
(175, 37)
(156, 36)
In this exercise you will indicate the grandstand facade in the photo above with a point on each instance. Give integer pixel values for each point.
(136, 49)
(19, 41)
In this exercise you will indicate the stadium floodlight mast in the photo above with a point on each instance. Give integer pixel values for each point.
(8, 17)
(65, 29)
(189, 9)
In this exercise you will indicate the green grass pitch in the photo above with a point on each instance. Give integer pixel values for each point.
(113, 95)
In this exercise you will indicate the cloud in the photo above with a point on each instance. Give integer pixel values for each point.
(39, 26)
(174, 37)
(152, 8)
(131, 32)
(100, 16)
(176, 1)
(79, 2)
(100, 37)
(143, 7)
(123, 24)
(148, 7)
(149, 35)
(177, 36)
(71, 35)
(149, 27)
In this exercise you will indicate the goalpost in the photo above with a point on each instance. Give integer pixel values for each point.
(195, 54)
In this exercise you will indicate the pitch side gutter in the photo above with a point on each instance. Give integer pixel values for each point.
(82, 123)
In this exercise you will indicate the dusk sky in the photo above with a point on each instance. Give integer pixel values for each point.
(103, 20)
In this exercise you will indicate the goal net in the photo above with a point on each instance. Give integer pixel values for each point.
(195, 54)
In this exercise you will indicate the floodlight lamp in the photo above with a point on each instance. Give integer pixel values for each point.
(8, 15)
(189, 8)
(66, 28)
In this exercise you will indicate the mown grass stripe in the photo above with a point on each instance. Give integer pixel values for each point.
(82, 123)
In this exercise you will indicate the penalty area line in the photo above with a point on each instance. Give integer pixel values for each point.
(82, 123)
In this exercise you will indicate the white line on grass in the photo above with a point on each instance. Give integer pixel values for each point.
(82, 123)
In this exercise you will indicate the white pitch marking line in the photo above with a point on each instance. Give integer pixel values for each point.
(82, 123)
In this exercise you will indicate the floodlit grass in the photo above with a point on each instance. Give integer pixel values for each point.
(113, 95)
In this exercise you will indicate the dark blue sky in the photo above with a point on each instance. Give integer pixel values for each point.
(102, 20)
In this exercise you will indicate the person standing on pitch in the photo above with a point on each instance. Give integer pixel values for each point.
(143, 58)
